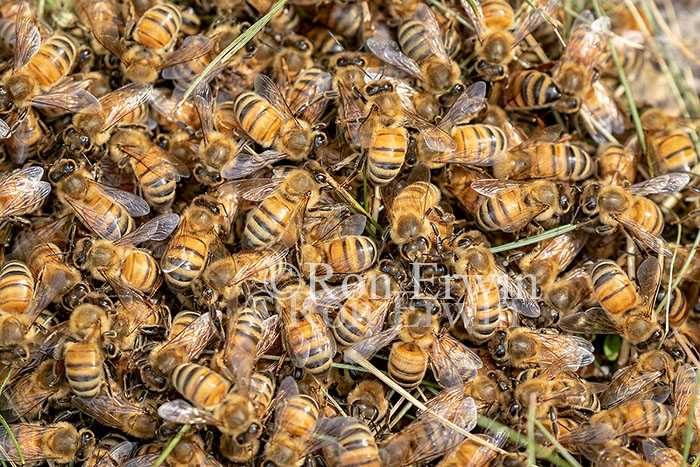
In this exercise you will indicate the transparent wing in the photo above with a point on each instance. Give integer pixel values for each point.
(435, 137)
(474, 156)
(103, 224)
(180, 411)
(118, 104)
(371, 345)
(683, 388)
(467, 105)
(390, 52)
(156, 229)
(68, 95)
(453, 361)
(587, 41)
(434, 37)
(522, 301)
(572, 351)
(247, 162)
(266, 260)
(134, 205)
(646, 237)
(107, 34)
(22, 190)
(266, 88)
(271, 332)
(592, 321)
(628, 385)
(476, 18)
(668, 183)
(157, 161)
(195, 337)
(649, 278)
(28, 39)
(256, 189)
(192, 48)
(533, 20)
(601, 106)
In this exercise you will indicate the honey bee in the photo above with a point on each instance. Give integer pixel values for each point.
(224, 278)
(266, 117)
(616, 163)
(189, 248)
(27, 396)
(653, 370)
(613, 455)
(427, 437)
(484, 280)
(497, 116)
(40, 68)
(293, 436)
(634, 418)
(294, 57)
(531, 89)
(510, 204)
(113, 450)
(22, 191)
(542, 157)
(105, 210)
(341, 247)
(424, 57)
(368, 401)
(670, 141)
(521, 347)
(189, 334)
(306, 337)
(26, 138)
(678, 309)
(157, 171)
(355, 445)
(124, 106)
(107, 259)
(283, 202)
(658, 453)
(497, 46)
(60, 442)
(305, 93)
(153, 35)
(550, 257)
(629, 207)
(471, 453)
(350, 20)
(624, 311)
(683, 388)
(110, 407)
(348, 74)
(421, 341)
(189, 452)
(83, 355)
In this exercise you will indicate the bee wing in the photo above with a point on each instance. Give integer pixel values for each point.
(134, 301)
(352, 113)
(287, 389)
(158, 161)
(350, 225)
(107, 34)
(21, 190)
(571, 351)
(32, 444)
(548, 134)
(587, 41)
(266, 88)
(256, 189)
(267, 259)
(192, 48)
(123, 101)
(562, 249)
(27, 37)
(533, 20)
(600, 106)
(371, 345)
(426, 16)
(668, 183)
(641, 233)
(476, 18)
(628, 385)
(523, 302)
(435, 137)
(389, 51)
(68, 95)
(156, 229)
(134, 205)
(179, 411)
(649, 278)
(467, 105)
(592, 321)
(591, 434)
(475, 156)
(5, 131)
(683, 388)
(332, 297)
(247, 162)
(452, 363)
(317, 87)
(204, 103)
(368, 128)
(31, 396)
(105, 226)
(271, 332)
(195, 336)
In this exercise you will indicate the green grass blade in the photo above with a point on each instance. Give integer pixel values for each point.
(536, 238)
(14, 440)
(171, 445)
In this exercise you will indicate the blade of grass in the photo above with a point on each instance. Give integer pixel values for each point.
(237, 44)
(685, 267)
(589, 118)
(536, 238)
(7, 378)
(450, 12)
(564, 453)
(670, 282)
(400, 415)
(628, 92)
(14, 440)
(171, 445)
(548, 20)
(360, 360)
(691, 416)
(531, 431)
(348, 197)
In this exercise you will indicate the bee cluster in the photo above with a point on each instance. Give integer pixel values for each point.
(346, 232)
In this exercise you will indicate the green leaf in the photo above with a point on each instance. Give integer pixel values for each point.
(611, 347)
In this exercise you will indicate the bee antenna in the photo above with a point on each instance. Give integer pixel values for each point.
(276, 49)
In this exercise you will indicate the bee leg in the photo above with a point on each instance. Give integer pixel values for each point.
(217, 322)
(555, 425)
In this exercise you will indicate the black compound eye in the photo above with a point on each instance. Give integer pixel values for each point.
(250, 47)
